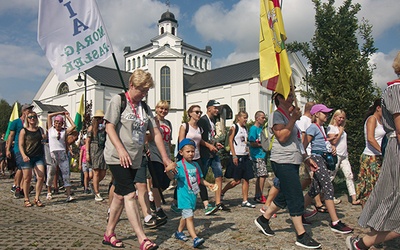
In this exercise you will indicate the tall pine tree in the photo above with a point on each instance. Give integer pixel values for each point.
(340, 76)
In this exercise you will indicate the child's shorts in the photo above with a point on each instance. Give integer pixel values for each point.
(187, 213)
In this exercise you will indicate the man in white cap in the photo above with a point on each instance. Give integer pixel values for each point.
(14, 154)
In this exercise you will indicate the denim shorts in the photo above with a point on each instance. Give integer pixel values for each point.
(215, 165)
(290, 194)
(33, 162)
(187, 213)
(18, 160)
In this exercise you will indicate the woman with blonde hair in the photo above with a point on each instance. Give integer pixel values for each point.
(160, 180)
(95, 143)
(338, 138)
(32, 151)
(126, 128)
(240, 167)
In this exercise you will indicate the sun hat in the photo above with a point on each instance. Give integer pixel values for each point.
(185, 142)
(99, 113)
(319, 108)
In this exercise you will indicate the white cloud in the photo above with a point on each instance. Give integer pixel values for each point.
(130, 23)
(384, 72)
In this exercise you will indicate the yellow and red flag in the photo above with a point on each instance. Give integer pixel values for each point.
(275, 71)
(14, 116)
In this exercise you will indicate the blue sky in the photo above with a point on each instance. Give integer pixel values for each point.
(230, 27)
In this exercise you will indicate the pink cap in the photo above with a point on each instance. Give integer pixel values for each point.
(59, 118)
(319, 108)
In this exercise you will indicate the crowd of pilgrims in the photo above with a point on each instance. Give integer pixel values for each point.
(305, 150)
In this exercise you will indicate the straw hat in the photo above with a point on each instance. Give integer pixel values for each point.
(99, 113)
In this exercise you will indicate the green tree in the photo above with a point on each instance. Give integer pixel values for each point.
(340, 76)
(6, 112)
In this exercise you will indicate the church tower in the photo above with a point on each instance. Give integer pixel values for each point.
(168, 23)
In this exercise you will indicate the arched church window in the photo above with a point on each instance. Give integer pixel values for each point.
(165, 84)
(133, 63)
(242, 104)
(184, 58)
(205, 64)
(195, 61)
(190, 60)
(162, 30)
(63, 89)
(138, 62)
(173, 31)
(143, 60)
(201, 63)
(129, 65)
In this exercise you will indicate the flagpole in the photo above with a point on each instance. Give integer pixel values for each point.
(119, 72)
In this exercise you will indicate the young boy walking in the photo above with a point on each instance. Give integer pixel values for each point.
(189, 176)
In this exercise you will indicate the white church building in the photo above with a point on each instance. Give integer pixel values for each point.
(182, 74)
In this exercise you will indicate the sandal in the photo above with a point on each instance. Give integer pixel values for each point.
(38, 203)
(355, 203)
(107, 241)
(27, 203)
(321, 209)
(148, 245)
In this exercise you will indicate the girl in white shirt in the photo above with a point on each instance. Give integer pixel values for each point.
(336, 132)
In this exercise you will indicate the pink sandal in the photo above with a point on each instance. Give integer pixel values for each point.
(148, 245)
(107, 241)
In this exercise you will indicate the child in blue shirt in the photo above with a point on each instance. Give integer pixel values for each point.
(189, 176)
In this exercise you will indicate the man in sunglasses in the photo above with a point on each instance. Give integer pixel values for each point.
(14, 155)
(211, 159)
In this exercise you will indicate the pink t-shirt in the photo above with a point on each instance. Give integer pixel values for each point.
(83, 150)
(195, 135)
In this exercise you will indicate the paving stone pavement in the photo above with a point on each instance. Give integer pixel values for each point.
(81, 224)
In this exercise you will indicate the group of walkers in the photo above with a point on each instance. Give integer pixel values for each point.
(135, 146)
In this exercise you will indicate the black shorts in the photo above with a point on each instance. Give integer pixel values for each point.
(143, 172)
(123, 179)
(160, 178)
(244, 170)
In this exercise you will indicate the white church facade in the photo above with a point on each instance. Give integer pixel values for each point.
(182, 74)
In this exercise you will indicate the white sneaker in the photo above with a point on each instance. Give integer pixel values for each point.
(49, 197)
(97, 197)
(70, 198)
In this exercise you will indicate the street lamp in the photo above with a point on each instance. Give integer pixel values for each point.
(79, 81)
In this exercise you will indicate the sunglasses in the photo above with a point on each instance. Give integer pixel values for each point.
(32, 117)
(198, 112)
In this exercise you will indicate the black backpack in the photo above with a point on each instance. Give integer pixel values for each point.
(226, 144)
(123, 104)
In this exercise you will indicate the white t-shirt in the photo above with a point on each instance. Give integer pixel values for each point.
(54, 143)
(303, 125)
(341, 146)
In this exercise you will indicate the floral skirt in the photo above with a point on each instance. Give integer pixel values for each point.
(370, 166)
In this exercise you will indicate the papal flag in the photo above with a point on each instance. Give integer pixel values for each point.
(275, 71)
(80, 115)
(72, 35)
(14, 116)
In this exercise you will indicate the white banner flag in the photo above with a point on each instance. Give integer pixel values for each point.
(72, 35)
